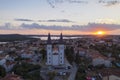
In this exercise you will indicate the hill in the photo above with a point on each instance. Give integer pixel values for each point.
(13, 37)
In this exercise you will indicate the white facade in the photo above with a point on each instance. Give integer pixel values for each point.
(55, 56)
(55, 52)
(55, 60)
(3, 61)
(49, 54)
(111, 77)
(100, 61)
(61, 54)
(8, 67)
(97, 61)
(25, 55)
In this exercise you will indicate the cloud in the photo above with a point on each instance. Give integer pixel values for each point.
(53, 3)
(109, 2)
(85, 28)
(6, 26)
(37, 26)
(77, 1)
(28, 20)
(99, 26)
(9, 26)
(89, 27)
(57, 20)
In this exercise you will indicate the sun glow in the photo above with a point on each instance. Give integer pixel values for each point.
(100, 33)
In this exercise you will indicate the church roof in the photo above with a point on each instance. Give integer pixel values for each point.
(61, 39)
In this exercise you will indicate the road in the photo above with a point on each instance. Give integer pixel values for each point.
(73, 72)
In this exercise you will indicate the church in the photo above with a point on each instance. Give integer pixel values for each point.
(55, 51)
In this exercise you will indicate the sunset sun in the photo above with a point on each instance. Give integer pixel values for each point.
(100, 33)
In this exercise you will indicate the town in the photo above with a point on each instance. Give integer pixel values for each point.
(90, 57)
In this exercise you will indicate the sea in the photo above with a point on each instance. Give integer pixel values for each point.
(55, 38)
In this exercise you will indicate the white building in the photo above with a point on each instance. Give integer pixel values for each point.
(111, 77)
(55, 52)
(2, 61)
(26, 55)
(100, 61)
(9, 65)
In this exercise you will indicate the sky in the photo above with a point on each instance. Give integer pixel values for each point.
(56, 16)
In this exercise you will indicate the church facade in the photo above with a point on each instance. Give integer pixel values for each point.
(55, 51)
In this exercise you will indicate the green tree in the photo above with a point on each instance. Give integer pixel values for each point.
(69, 54)
(34, 76)
(2, 71)
(27, 70)
(51, 75)
(81, 75)
(43, 52)
(77, 59)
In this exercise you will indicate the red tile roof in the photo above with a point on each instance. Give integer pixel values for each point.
(11, 77)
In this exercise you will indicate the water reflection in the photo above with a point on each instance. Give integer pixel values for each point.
(45, 38)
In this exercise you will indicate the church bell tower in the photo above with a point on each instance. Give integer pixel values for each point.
(55, 52)
(49, 50)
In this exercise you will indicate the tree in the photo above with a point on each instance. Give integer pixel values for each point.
(34, 76)
(2, 71)
(69, 54)
(77, 59)
(43, 52)
(81, 75)
(27, 71)
(51, 75)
